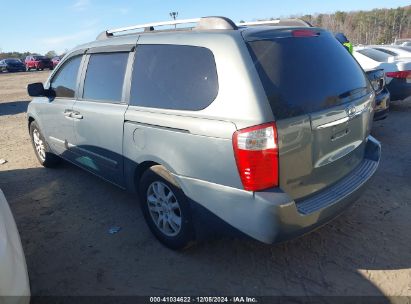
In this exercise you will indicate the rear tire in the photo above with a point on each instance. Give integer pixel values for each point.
(42, 150)
(166, 208)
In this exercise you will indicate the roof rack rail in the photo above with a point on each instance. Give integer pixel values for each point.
(278, 22)
(204, 23)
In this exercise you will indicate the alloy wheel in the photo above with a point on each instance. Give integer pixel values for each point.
(39, 145)
(164, 208)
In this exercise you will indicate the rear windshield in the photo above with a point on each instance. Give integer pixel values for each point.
(387, 51)
(302, 75)
(375, 55)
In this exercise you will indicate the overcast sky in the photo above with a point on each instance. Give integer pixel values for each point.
(40, 26)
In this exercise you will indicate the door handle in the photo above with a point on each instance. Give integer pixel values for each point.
(67, 113)
(72, 114)
(76, 115)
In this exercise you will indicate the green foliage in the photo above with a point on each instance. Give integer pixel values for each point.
(51, 54)
(17, 55)
(23, 56)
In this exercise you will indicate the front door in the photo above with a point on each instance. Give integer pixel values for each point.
(56, 120)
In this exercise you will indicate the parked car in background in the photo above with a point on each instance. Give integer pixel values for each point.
(403, 42)
(55, 60)
(397, 51)
(14, 282)
(397, 71)
(405, 48)
(382, 95)
(12, 65)
(38, 62)
(267, 141)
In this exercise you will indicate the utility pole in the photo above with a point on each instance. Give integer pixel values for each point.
(174, 16)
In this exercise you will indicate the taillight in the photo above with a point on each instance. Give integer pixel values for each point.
(256, 154)
(304, 33)
(399, 74)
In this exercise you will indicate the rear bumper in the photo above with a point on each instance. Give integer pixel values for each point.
(272, 216)
(382, 104)
(399, 89)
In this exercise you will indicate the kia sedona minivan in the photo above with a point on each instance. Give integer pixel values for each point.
(263, 126)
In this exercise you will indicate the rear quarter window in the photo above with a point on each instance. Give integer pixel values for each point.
(174, 77)
(301, 75)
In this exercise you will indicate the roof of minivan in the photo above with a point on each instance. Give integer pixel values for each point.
(189, 32)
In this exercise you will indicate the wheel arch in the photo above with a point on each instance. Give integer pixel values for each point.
(140, 169)
(30, 120)
(134, 171)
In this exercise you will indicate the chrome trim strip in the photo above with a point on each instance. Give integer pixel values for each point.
(334, 123)
(56, 140)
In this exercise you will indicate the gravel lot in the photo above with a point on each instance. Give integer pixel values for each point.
(64, 215)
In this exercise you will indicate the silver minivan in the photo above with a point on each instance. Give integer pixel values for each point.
(262, 128)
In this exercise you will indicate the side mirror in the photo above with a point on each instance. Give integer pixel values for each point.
(36, 89)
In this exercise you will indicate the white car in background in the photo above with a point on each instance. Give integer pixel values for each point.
(14, 282)
(397, 51)
(397, 71)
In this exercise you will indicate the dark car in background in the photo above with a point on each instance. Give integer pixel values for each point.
(38, 62)
(12, 65)
(382, 95)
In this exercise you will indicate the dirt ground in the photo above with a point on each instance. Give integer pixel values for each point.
(64, 215)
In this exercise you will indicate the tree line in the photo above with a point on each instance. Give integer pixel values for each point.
(22, 56)
(378, 26)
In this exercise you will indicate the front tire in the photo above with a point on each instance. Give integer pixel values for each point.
(166, 208)
(42, 150)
